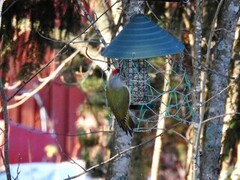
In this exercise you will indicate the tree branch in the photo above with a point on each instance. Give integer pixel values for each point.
(119, 154)
(5, 116)
(26, 96)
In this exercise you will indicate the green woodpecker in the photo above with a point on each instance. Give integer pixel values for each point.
(118, 96)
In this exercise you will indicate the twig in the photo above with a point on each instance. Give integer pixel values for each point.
(68, 157)
(92, 22)
(195, 170)
(50, 77)
(7, 86)
(119, 154)
(221, 115)
(224, 89)
(183, 137)
(32, 130)
(58, 53)
(8, 6)
(94, 25)
(202, 99)
(5, 116)
(93, 59)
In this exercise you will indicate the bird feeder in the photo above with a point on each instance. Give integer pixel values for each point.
(138, 42)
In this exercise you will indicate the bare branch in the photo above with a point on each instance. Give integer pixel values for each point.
(91, 21)
(26, 96)
(59, 52)
(221, 115)
(68, 157)
(119, 154)
(224, 89)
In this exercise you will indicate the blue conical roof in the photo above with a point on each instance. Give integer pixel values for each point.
(142, 38)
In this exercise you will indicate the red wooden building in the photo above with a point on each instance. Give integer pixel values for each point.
(44, 127)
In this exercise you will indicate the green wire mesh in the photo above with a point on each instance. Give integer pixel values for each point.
(145, 78)
(135, 73)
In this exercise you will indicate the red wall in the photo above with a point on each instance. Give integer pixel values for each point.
(61, 103)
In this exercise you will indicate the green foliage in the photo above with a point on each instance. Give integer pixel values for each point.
(26, 70)
(70, 17)
(93, 83)
(90, 146)
(87, 141)
(158, 8)
(42, 18)
(93, 86)
(25, 24)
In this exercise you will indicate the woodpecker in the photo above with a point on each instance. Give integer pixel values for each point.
(118, 97)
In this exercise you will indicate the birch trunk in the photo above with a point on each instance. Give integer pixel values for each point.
(193, 152)
(161, 125)
(231, 107)
(236, 173)
(119, 168)
(227, 21)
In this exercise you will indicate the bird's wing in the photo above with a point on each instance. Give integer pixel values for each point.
(118, 100)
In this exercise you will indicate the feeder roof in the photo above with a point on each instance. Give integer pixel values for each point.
(142, 38)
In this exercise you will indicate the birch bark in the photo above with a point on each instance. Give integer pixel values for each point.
(194, 170)
(119, 168)
(227, 21)
(161, 124)
(231, 108)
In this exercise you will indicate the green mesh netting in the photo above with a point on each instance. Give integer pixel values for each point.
(145, 79)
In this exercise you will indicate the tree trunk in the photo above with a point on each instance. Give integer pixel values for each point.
(5, 154)
(3, 103)
(161, 124)
(137, 167)
(227, 21)
(194, 170)
(119, 168)
(231, 108)
(236, 173)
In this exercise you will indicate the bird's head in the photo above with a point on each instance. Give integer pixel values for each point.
(115, 71)
(115, 80)
(115, 74)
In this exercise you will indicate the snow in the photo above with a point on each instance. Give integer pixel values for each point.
(47, 171)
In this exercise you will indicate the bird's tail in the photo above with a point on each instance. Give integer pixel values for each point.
(127, 124)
